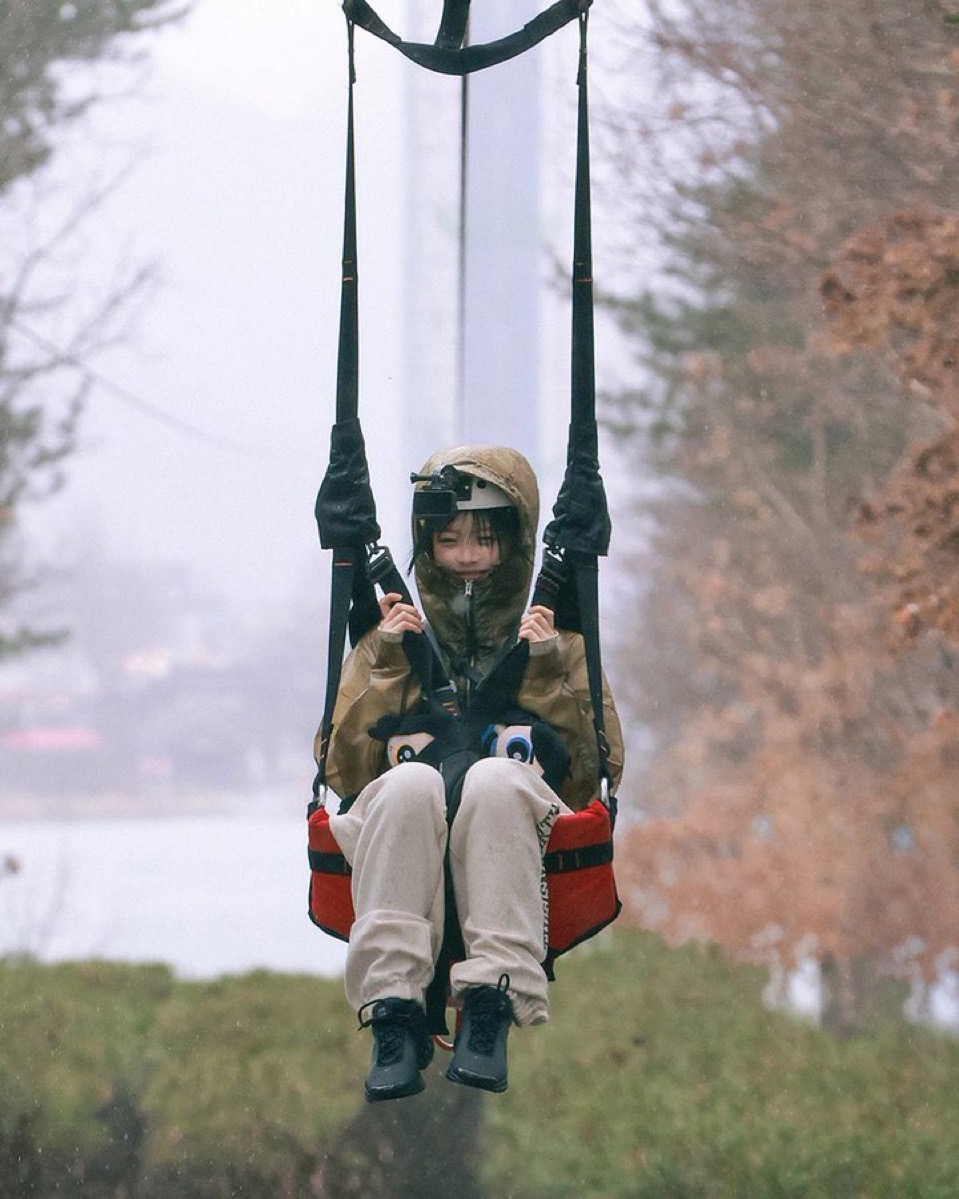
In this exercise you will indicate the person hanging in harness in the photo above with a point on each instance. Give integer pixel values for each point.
(447, 801)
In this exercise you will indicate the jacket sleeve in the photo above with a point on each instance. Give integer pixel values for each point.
(376, 681)
(556, 688)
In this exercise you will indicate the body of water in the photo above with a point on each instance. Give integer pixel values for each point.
(208, 894)
(222, 893)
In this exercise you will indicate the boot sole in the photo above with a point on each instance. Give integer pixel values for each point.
(378, 1095)
(496, 1085)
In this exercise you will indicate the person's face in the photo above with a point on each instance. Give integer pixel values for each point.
(466, 548)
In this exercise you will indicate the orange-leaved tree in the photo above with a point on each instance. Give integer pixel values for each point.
(797, 798)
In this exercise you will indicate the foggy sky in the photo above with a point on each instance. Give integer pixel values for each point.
(236, 137)
(235, 132)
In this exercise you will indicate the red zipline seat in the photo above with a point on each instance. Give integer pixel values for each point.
(579, 878)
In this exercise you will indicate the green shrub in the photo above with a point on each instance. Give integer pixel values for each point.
(659, 1076)
(68, 1034)
(244, 1067)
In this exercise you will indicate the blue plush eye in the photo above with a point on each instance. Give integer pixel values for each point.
(405, 752)
(519, 748)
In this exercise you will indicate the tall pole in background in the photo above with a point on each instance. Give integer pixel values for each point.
(473, 242)
(430, 249)
(499, 337)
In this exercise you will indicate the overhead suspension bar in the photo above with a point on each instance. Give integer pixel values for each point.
(448, 55)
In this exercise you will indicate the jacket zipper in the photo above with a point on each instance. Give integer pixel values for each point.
(471, 646)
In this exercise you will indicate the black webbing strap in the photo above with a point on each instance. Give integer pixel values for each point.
(339, 478)
(447, 56)
(453, 24)
(580, 521)
(569, 583)
(586, 580)
(423, 656)
(583, 359)
(341, 590)
(580, 530)
(345, 508)
(347, 375)
(328, 863)
(564, 861)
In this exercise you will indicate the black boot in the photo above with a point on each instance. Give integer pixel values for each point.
(401, 1048)
(479, 1054)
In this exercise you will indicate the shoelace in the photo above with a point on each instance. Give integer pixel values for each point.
(388, 1030)
(389, 1042)
(487, 1012)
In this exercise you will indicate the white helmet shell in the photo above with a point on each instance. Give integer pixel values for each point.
(483, 494)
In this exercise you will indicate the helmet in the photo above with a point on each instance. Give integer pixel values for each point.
(451, 490)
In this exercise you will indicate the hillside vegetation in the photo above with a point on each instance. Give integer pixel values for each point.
(661, 1074)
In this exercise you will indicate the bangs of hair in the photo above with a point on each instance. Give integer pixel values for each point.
(502, 524)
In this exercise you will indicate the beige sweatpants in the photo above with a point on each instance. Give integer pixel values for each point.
(395, 838)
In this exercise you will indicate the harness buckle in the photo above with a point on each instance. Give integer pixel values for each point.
(379, 561)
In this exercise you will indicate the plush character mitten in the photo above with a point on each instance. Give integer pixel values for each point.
(417, 737)
(523, 737)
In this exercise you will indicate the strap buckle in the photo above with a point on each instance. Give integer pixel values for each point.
(379, 562)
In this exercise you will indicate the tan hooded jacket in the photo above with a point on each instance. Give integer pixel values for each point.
(377, 680)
